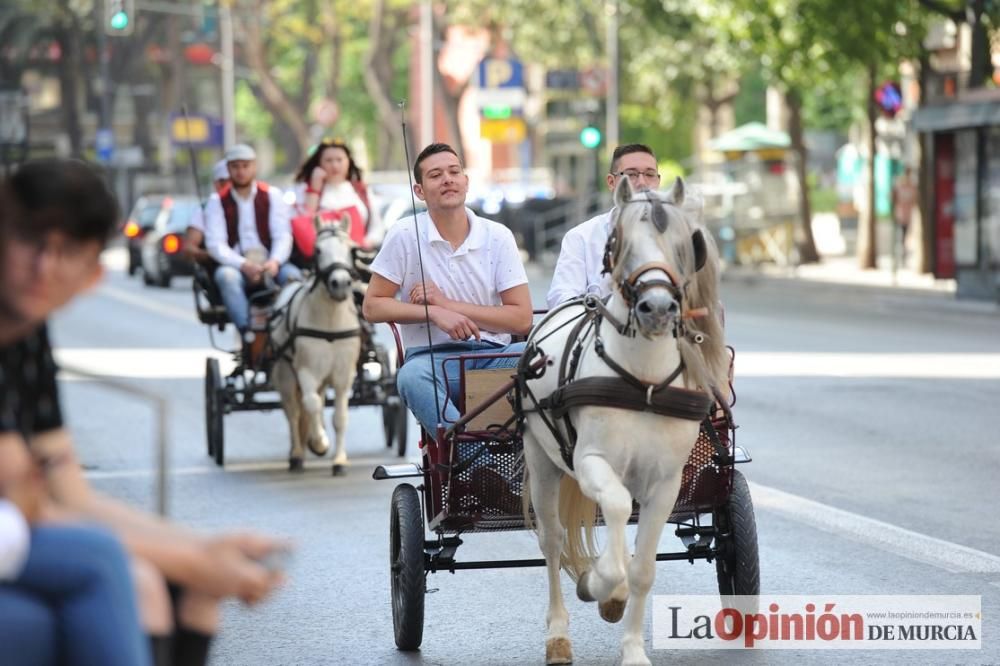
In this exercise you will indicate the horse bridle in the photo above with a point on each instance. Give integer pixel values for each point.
(631, 288)
(322, 274)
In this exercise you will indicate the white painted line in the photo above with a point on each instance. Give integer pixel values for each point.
(142, 363)
(163, 309)
(946, 555)
(366, 465)
(867, 365)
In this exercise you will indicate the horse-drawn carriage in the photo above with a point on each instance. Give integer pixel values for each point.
(504, 464)
(280, 331)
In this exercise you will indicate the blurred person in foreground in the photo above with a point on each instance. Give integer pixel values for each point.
(247, 231)
(57, 216)
(194, 237)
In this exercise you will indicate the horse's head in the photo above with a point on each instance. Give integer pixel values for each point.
(652, 254)
(333, 262)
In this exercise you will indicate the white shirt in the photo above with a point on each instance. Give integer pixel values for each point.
(15, 540)
(486, 264)
(343, 195)
(581, 260)
(217, 237)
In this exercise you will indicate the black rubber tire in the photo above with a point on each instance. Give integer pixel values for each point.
(214, 427)
(738, 568)
(406, 567)
(389, 421)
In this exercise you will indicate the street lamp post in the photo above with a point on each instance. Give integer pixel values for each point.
(226, 67)
(611, 104)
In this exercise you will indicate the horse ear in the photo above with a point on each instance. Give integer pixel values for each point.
(676, 194)
(623, 192)
(700, 249)
(345, 224)
(317, 222)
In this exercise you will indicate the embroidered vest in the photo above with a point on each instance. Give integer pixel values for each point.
(261, 208)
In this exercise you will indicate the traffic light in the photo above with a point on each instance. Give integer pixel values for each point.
(119, 17)
(590, 137)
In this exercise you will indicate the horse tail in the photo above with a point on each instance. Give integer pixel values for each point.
(578, 514)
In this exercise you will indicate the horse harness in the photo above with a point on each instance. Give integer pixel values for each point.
(625, 390)
(320, 276)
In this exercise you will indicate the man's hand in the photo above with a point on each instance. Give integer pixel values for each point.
(238, 574)
(252, 271)
(271, 266)
(428, 292)
(457, 326)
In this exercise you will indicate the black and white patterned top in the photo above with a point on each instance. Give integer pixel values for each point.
(29, 398)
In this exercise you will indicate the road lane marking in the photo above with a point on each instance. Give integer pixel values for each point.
(867, 365)
(238, 468)
(163, 309)
(146, 363)
(946, 555)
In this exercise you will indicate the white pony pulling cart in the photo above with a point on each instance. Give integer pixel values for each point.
(618, 412)
(313, 348)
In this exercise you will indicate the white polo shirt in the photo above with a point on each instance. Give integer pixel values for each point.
(581, 260)
(15, 540)
(217, 236)
(486, 264)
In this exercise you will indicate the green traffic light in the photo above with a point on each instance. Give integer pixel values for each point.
(590, 137)
(119, 21)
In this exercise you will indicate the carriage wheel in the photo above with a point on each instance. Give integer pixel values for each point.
(738, 566)
(213, 410)
(406, 567)
(402, 427)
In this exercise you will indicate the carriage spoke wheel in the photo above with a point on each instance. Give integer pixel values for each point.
(406, 567)
(738, 566)
(214, 411)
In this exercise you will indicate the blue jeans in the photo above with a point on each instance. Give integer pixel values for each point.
(415, 382)
(74, 600)
(233, 289)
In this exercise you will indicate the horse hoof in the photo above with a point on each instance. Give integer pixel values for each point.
(558, 651)
(582, 593)
(612, 610)
(296, 465)
(317, 447)
(340, 470)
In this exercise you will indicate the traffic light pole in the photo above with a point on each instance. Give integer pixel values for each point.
(228, 81)
(611, 104)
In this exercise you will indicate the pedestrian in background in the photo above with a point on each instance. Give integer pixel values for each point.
(904, 200)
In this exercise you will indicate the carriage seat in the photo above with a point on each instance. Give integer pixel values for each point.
(207, 299)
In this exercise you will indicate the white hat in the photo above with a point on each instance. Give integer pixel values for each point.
(240, 151)
(220, 171)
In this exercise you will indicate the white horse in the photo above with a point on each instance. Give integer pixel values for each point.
(316, 337)
(661, 327)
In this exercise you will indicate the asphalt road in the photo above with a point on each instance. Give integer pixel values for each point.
(870, 418)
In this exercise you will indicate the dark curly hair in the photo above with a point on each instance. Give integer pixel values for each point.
(353, 172)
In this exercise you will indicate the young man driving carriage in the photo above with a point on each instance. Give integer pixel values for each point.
(247, 231)
(471, 280)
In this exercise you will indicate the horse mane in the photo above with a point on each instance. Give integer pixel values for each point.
(707, 363)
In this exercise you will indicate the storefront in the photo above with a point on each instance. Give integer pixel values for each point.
(961, 143)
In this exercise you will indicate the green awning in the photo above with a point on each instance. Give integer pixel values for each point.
(957, 115)
(752, 136)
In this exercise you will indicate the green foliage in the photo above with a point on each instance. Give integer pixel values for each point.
(750, 104)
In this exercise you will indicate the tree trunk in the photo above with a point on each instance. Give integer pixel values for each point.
(806, 244)
(255, 51)
(68, 36)
(284, 134)
(923, 228)
(867, 251)
(981, 67)
(378, 85)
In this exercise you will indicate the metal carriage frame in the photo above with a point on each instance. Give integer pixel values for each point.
(248, 387)
(480, 492)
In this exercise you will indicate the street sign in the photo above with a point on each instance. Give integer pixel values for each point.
(514, 97)
(104, 143)
(594, 81)
(562, 79)
(506, 130)
(200, 131)
(501, 73)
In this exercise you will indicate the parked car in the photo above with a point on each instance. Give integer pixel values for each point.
(163, 244)
(142, 218)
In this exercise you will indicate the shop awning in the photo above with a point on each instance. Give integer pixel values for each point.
(958, 115)
(752, 136)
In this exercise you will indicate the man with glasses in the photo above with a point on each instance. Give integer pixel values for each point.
(581, 258)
